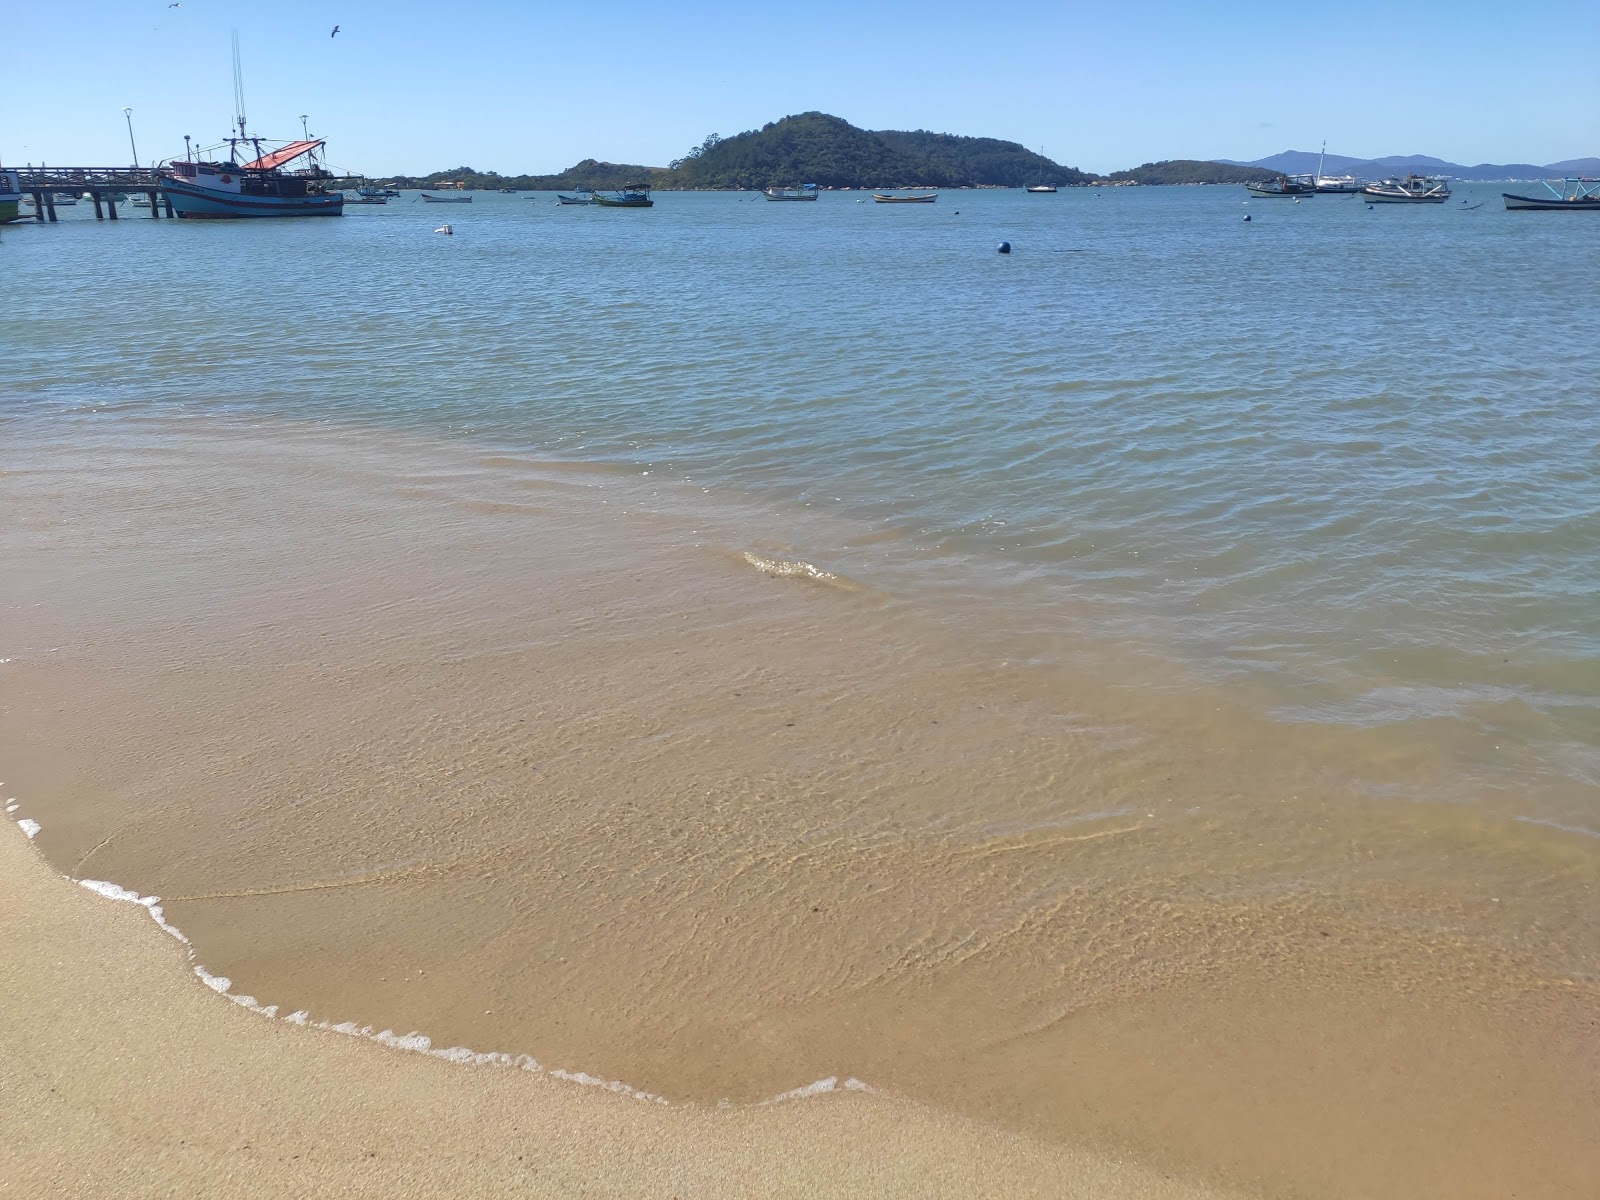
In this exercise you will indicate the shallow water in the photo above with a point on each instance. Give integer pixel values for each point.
(1142, 687)
(1344, 456)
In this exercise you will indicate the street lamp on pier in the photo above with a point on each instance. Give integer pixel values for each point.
(128, 113)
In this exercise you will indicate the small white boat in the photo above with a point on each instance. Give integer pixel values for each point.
(1413, 189)
(446, 199)
(582, 196)
(881, 198)
(806, 191)
(1041, 189)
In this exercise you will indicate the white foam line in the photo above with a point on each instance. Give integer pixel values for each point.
(29, 827)
(821, 1087)
(417, 1043)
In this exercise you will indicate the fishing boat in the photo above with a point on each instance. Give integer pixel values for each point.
(360, 198)
(64, 199)
(634, 195)
(140, 201)
(1413, 189)
(429, 199)
(1041, 189)
(806, 191)
(258, 188)
(882, 198)
(10, 196)
(1574, 195)
(583, 196)
(1284, 185)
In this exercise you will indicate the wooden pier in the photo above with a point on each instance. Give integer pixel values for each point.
(101, 184)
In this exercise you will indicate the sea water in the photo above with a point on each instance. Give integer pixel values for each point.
(1343, 456)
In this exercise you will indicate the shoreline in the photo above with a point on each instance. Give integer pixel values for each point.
(124, 1077)
(1064, 944)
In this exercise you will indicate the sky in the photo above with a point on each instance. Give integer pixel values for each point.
(413, 86)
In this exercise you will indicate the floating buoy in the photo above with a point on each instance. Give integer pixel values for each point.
(1297, 199)
(1247, 216)
(1004, 247)
(444, 229)
(1369, 208)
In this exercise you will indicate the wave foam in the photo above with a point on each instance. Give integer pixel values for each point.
(29, 827)
(786, 568)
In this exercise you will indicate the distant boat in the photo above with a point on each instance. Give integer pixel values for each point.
(1284, 185)
(1041, 189)
(427, 199)
(1337, 184)
(583, 196)
(10, 196)
(140, 201)
(1575, 195)
(63, 199)
(881, 198)
(1413, 189)
(363, 198)
(806, 191)
(508, 191)
(633, 195)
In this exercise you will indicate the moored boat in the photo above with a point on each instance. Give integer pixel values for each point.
(362, 198)
(1284, 185)
(1574, 195)
(1041, 189)
(582, 196)
(1335, 184)
(634, 195)
(10, 196)
(882, 198)
(258, 188)
(1413, 189)
(806, 191)
(430, 199)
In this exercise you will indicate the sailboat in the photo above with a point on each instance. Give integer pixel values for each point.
(1041, 189)
(1338, 184)
(257, 188)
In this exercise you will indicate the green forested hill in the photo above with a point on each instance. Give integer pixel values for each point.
(808, 148)
(984, 160)
(1188, 170)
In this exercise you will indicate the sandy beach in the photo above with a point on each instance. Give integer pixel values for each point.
(525, 759)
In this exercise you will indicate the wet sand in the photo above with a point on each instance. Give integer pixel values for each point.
(538, 762)
(123, 1077)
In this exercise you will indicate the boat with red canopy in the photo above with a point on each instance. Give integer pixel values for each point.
(258, 188)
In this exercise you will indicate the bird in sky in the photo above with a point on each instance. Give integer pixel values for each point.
(335, 32)
(174, 6)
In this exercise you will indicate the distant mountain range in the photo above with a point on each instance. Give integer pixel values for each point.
(1301, 162)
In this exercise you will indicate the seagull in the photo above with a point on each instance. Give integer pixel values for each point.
(174, 6)
(335, 32)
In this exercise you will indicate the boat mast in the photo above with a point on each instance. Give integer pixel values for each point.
(1320, 157)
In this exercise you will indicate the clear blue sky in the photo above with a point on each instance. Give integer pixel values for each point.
(412, 86)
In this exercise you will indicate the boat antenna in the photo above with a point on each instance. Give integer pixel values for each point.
(238, 87)
(1320, 157)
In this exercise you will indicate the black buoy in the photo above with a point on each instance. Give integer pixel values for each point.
(1004, 247)
(1369, 208)
(1247, 216)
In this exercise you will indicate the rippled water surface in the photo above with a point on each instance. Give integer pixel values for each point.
(1344, 456)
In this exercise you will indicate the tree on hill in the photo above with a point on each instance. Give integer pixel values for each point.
(984, 160)
(810, 147)
(1188, 170)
